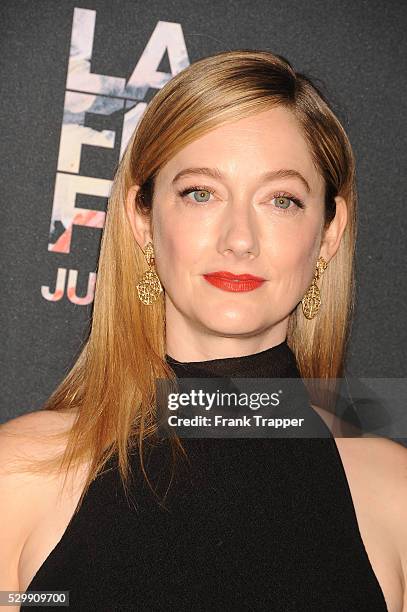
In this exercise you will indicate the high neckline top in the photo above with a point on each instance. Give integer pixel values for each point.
(246, 523)
(275, 362)
(277, 369)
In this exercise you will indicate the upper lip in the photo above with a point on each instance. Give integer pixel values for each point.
(230, 275)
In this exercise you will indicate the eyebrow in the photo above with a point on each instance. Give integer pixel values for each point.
(266, 176)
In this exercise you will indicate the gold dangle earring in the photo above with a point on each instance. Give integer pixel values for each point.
(312, 299)
(149, 286)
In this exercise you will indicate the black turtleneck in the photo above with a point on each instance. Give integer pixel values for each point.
(253, 524)
(275, 362)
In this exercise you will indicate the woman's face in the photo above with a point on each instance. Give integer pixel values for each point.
(256, 208)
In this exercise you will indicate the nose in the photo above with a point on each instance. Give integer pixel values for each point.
(239, 232)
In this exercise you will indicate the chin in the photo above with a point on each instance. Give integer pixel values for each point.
(224, 324)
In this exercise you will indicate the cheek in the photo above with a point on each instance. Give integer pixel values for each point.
(294, 254)
(179, 249)
(303, 252)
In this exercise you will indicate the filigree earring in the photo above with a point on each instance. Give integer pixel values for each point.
(312, 299)
(149, 286)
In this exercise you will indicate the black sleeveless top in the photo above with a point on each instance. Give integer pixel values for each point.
(247, 524)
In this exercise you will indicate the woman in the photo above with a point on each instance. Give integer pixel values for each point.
(238, 167)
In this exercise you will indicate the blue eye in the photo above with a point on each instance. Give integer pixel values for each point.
(283, 202)
(201, 194)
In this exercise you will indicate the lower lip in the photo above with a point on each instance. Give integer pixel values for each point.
(231, 285)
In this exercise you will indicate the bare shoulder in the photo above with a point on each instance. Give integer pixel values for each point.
(378, 468)
(38, 422)
(31, 435)
(384, 461)
(23, 494)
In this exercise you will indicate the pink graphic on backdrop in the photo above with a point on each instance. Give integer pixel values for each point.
(70, 288)
(90, 218)
(99, 94)
(59, 287)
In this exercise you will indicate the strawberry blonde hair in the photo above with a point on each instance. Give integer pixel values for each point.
(110, 390)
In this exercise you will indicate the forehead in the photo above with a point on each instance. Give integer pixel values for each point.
(245, 148)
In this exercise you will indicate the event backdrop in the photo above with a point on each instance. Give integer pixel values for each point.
(75, 80)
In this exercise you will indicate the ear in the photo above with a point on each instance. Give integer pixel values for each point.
(333, 234)
(140, 221)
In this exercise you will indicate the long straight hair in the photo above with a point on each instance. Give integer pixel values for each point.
(110, 390)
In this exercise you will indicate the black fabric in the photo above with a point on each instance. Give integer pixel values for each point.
(275, 362)
(247, 524)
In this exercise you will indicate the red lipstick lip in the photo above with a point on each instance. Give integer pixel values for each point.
(234, 283)
(235, 277)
